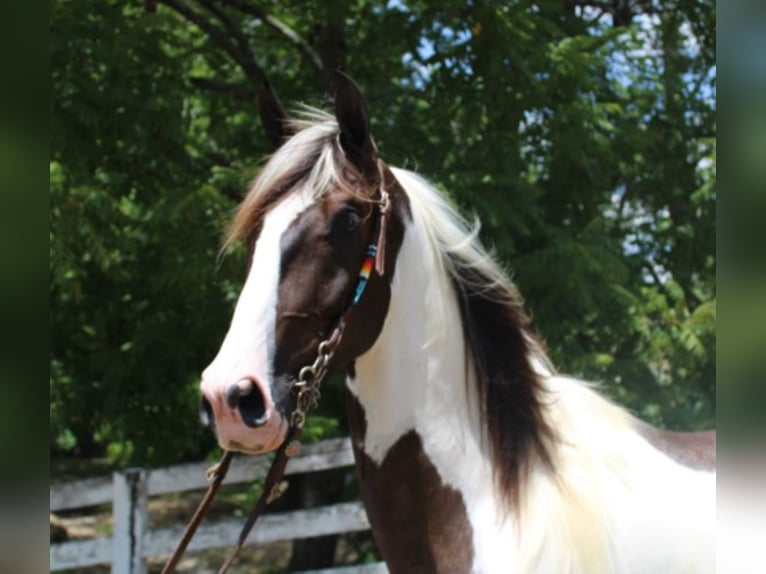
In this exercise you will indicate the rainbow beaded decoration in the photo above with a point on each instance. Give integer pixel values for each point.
(365, 272)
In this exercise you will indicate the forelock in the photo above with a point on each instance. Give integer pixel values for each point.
(310, 162)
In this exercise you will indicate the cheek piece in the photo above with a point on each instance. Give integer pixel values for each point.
(307, 394)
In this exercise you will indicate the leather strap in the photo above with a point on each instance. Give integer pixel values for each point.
(385, 207)
(218, 473)
(273, 488)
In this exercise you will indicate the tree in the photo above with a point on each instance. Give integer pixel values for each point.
(581, 133)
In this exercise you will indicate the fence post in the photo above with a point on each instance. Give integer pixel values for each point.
(129, 512)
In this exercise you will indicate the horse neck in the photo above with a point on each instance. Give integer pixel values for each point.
(425, 478)
(414, 377)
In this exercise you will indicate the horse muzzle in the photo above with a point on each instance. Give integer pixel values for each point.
(242, 415)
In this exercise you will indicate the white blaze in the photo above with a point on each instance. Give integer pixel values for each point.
(248, 348)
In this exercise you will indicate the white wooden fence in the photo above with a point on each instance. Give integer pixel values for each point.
(132, 541)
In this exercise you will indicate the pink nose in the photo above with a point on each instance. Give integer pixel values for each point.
(241, 414)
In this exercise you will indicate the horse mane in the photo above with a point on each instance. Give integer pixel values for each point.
(506, 359)
(310, 160)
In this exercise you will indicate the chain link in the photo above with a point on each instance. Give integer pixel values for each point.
(309, 379)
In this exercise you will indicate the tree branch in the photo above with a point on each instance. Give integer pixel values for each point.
(649, 266)
(251, 67)
(596, 18)
(622, 10)
(283, 29)
(245, 60)
(697, 85)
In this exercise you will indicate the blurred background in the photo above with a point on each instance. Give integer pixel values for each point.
(581, 133)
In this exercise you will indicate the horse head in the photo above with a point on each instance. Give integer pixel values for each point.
(309, 220)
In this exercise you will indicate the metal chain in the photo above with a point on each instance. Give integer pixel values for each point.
(309, 379)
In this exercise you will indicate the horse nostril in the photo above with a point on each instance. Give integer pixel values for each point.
(206, 413)
(235, 392)
(248, 400)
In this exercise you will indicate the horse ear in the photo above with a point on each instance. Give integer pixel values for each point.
(273, 116)
(354, 124)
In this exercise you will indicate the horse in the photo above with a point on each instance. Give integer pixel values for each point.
(472, 452)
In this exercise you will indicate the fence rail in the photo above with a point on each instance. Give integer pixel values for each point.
(132, 542)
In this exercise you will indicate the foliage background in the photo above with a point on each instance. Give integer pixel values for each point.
(581, 133)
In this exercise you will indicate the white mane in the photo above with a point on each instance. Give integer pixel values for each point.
(454, 245)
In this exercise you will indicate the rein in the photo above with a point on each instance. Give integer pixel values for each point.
(308, 392)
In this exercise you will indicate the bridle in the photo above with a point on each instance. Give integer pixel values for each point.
(307, 390)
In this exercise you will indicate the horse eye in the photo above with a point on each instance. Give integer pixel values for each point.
(350, 220)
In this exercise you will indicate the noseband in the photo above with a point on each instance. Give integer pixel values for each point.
(307, 390)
